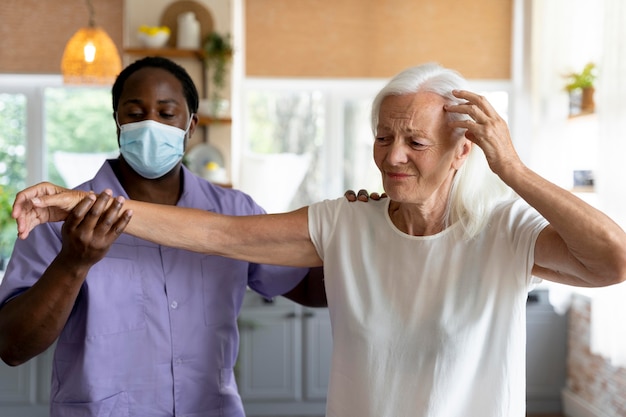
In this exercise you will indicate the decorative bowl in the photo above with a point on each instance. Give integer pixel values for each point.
(153, 36)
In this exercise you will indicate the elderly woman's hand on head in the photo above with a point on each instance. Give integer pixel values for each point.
(486, 129)
(44, 202)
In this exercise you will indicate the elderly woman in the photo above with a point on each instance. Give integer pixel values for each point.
(426, 289)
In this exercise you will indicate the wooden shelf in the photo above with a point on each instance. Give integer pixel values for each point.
(167, 52)
(584, 113)
(208, 120)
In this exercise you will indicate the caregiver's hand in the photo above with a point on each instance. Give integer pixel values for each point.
(363, 195)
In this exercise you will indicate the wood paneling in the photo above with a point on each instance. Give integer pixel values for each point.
(33, 33)
(376, 38)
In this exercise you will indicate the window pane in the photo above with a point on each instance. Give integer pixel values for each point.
(281, 166)
(80, 133)
(359, 170)
(12, 164)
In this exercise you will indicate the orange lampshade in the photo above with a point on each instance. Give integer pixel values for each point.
(90, 57)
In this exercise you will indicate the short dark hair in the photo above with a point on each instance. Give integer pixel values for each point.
(189, 88)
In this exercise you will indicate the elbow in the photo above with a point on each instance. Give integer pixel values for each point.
(12, 353)
(10, 358)
(620, 267)
(612, 275)
(12, 363)
(620, 275)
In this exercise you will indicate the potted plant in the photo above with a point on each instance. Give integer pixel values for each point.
(581, 88)
(218, 51)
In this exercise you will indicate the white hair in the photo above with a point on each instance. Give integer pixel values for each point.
(475, 188)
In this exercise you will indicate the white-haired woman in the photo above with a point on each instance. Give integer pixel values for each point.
(426, 289)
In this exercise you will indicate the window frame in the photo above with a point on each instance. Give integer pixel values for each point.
(33, 88)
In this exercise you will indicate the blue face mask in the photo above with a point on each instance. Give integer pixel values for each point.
(151, 148)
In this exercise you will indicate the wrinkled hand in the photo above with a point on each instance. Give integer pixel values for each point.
(485, 128)
(41, 203)
(91, 228)
(363, 195)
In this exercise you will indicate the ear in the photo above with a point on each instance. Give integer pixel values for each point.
(463, 149)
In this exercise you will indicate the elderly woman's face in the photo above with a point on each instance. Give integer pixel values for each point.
(415, 150)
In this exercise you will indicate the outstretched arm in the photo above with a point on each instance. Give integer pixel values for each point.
(281, 239)
(581, 246)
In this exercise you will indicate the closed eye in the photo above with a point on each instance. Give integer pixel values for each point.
(416, 144)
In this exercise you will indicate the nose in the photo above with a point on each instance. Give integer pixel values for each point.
(397, 153)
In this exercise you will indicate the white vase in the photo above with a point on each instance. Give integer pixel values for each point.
(188, 33)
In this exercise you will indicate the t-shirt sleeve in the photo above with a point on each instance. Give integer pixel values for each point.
(322, 219)
(524, 224)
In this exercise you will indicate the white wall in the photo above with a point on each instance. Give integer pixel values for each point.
(566, 34)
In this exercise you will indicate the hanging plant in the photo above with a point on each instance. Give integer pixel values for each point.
(218, 51)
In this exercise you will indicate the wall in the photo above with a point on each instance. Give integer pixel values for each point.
(592, 382)
(33, 33)
(287, 38)
(376, 39)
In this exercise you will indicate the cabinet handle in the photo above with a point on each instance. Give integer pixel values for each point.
(532, 299)
(291, 315)
(308, 314)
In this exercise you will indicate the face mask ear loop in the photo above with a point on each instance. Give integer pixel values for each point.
(189, 123)
(117, 122)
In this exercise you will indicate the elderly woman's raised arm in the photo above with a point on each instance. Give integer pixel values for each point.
(281, 239)
(581, 245)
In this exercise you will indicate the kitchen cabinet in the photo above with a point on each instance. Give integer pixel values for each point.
(284, 357)
(25, 389)
(546, 354)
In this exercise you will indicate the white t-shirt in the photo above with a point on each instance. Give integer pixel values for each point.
(428, 326)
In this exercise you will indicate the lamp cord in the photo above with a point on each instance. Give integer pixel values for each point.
(92, 20)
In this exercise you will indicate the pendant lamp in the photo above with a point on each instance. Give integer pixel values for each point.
(90, 56)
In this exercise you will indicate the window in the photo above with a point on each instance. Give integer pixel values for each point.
(79, 133)
(307, 140)
(49, 132)
(12, 164)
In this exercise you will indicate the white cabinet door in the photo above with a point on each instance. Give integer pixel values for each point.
(546, 353)
(318, 352)
(25, 389)
(269, 365)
